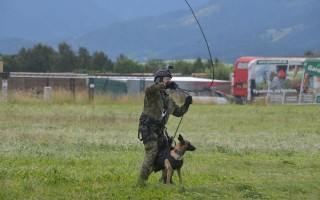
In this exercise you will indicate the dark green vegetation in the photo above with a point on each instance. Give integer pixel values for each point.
(79, 151)
(43, 58)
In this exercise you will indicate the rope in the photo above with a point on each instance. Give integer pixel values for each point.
(177, 128)
(211, 61)
(205, 39)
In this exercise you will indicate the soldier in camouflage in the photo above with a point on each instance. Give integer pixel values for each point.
(158, 105)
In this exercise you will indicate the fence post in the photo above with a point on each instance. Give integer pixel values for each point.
(4, 76)
(73, 87)
(91, 89)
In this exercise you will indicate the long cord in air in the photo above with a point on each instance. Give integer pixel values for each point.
(211, 61)
(205, 39)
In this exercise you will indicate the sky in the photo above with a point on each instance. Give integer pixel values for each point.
(142, 8)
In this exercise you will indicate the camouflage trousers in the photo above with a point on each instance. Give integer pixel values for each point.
(151, 151)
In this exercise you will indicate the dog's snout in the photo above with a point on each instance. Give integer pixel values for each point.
(191, 147)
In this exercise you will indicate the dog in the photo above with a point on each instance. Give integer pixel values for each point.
(171, 158)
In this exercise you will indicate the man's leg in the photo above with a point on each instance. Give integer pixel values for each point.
(151, 151)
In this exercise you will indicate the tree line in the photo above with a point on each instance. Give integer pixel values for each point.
(43, 58)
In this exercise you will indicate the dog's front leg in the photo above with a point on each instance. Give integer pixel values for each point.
(180, 176)
(163, 176)
(168, 169)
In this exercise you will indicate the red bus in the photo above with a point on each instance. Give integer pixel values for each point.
(239, 82)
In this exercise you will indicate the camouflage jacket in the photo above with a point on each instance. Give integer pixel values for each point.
(156, 99)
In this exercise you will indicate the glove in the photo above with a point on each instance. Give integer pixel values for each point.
(188, 100)
(172, 85)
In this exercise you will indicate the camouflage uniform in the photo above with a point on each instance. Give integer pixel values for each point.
(156, 100)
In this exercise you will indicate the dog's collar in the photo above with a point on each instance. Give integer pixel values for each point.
(178, 155)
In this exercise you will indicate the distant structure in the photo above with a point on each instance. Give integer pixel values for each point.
(39, 83)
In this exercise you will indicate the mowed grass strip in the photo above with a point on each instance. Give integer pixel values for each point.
(91, 151)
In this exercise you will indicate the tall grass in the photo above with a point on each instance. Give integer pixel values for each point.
(61, 96)
(55, 150)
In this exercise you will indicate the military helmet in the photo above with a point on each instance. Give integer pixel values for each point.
(158, 77)
(160, 74)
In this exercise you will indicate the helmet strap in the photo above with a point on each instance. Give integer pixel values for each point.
(158, 79)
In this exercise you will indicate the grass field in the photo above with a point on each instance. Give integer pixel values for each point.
(91, 151)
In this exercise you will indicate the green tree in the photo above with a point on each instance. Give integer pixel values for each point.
(221, 73)
(23, 60)
(11, 63)
(182, 67)
(219, 70)
(198, 66)
(101, 62)
(41, 58)
(308, 53)
(126, 65)
(84, 60)
(154, 65)
(66, 58)
(19, 62)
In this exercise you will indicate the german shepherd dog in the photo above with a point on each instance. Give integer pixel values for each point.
(171, 158)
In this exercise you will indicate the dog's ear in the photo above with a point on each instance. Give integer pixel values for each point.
(180, 138)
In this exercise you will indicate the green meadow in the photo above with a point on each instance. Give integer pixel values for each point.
(51, 150)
